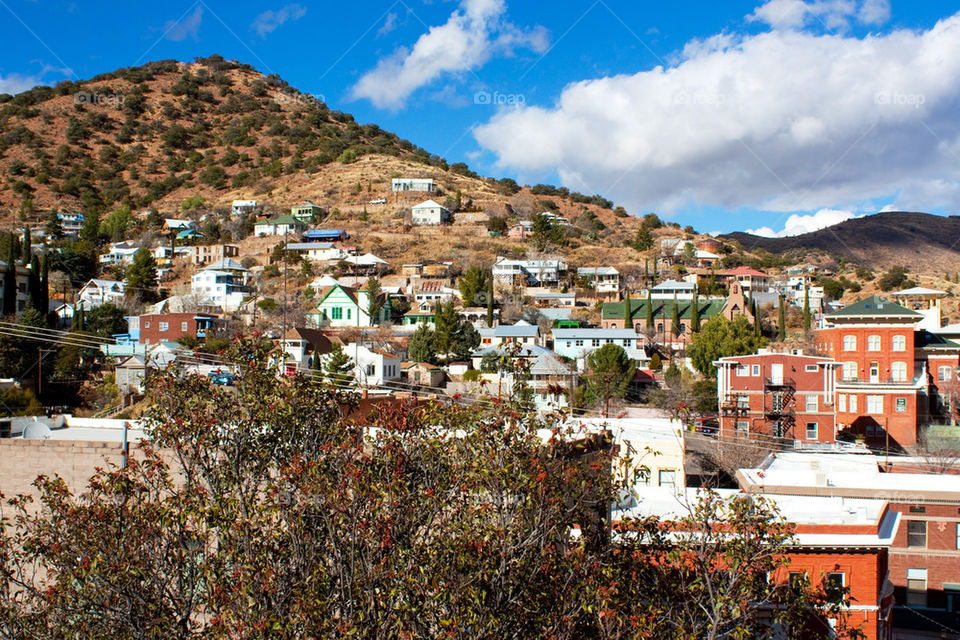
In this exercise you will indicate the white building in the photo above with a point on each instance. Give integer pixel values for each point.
(429, 213)
(243, 207)
(577, 344)
(670, 289)
(414, 184)
(318, 250)
(284, 225)
(119, 253)
(372, 367)
(224, 283)
(603, 280)
(97, 292)
(535, 273)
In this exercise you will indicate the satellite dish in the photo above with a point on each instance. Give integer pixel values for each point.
(36, 431)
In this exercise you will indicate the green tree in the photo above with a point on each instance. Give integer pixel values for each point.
(611, 372)
(421, 348)
(90, 231)
(117, 223)
(894, 278)
(106, 320)
(473, 287)
(695, 312)
(719, 338)
(806, 310)
(643, 240)
(546, 234)
(338, 366)
(490, 301)
(453, 337)
(649, 318)
(141, 282)
(26, 248)
(675, 318)
(375, 301)
(10, 279)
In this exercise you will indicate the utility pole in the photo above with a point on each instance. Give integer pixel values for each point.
(39, 371)
(284, 331)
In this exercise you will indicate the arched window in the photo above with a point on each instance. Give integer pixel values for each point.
(898, 371)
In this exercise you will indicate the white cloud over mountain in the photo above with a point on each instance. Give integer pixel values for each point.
(474, 33)
(798, 224)
(795, 118)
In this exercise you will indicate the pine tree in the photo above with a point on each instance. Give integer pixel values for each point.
(806, 310)
(675, 320)
(695, 313)
(36, 299)
(782, 322)
(142, 276)
(338, 366)
(649, 318)
(26, 249)
(627, 310)
(10, 280)
(45, 282)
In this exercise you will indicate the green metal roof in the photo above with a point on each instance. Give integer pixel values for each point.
(928, 340)
(874, 306)
(662, 309)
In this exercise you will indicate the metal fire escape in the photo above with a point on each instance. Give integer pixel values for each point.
(778, 406)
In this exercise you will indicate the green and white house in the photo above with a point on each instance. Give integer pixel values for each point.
(305, 212)
(342, 306)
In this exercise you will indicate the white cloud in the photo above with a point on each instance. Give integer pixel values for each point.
(188, 27)
(784, 120)
(471, 36)
(798, 224)
(269, 21)
(15, 83)
(831, 14)
(389, 24)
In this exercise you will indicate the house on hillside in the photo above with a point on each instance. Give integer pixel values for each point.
(326, 235)
(522, 332)
(70, 223)
(365, 265)
(604, 281)
(282, 225)
(119, 253)
(372, 367)
(341, 306)
(533, 273)
(224, 283)
(422, 373)
(98, 291)
(176, 225)
(201, 255)
(243, 207)
(578, 343)
(301, 345)
(429, 213)
(170, 327)
(307, 212)
(413, 184)
(319, 251)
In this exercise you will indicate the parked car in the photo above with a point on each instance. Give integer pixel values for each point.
(378, 201)
(221, 377)
(707, 425)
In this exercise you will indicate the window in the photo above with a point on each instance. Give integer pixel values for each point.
(811, 368)
(811, 431)
(668, 477)
(183, 326)
(812, 403)
(743, 426)
(595, 342)
(898, 371)
(797, 579)
(849, 370)
(164, 326)
(853, 403)
(146, 325)
(916, 533)
(833, 583)
(958, 535)
(349, 310)
(628, 343)
(943, 374)
(371, 369)
(901, 404)
(841, 402)
(755, 370)
(873, 343)
(875, 405)
(336, 313)
(917, 587)
(849, 343)
(569, 344)
(743, 370)
(898, 343)
(579, 343)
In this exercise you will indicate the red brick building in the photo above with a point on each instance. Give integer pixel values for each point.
(786, 395)
(158, 327)
(885, 390)
(924, 556)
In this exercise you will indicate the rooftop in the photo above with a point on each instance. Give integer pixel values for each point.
(874, 306)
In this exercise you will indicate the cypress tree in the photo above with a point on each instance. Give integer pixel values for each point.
(45, 283)
(675, 320)
(695, 313)
(10, 280)
(782, 322)
(26, 248)
(490, 300)
(649, 310)
(34, 287)
(806, 309)
(627, 311)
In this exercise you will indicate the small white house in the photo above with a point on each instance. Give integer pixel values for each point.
(97, 292)
(224, 283)
(414, 184)
(243, 207)
(429, 213)
(372, 367)
(119, 253)
(284, 225)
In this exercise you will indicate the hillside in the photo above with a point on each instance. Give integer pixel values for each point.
(920, 241)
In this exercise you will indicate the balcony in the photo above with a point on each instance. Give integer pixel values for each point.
(782, 383)
(877, 380)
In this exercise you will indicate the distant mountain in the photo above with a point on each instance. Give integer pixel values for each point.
(920, 241)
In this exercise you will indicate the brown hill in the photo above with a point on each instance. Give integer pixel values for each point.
(920, 241)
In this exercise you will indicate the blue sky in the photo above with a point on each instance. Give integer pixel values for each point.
(781, 116)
